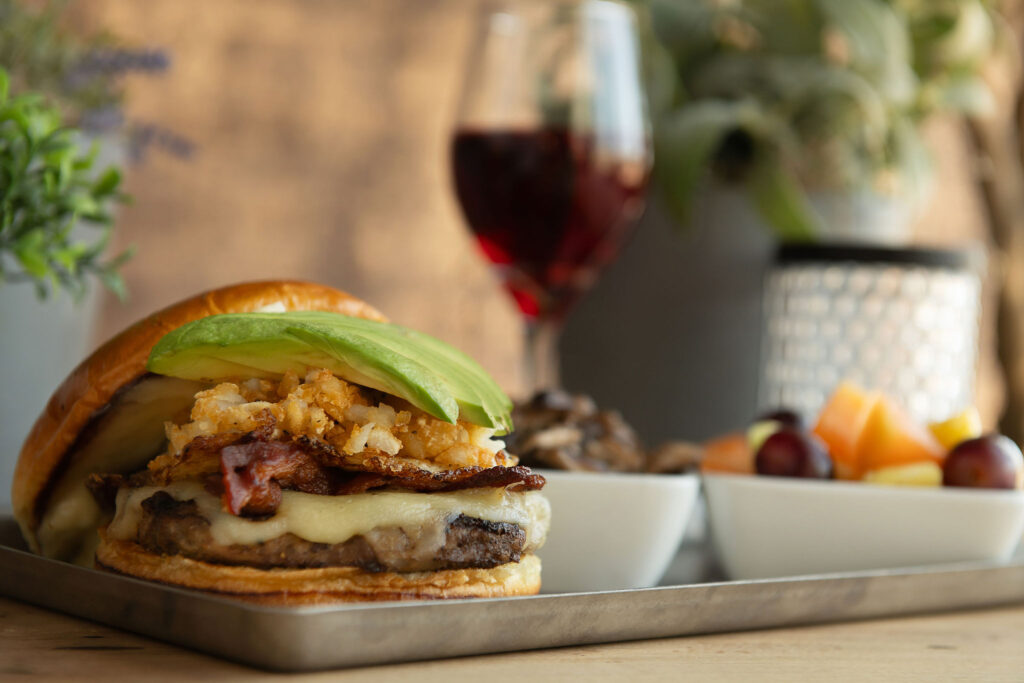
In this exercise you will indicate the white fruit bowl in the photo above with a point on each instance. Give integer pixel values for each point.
(612, 531)
(764, 527)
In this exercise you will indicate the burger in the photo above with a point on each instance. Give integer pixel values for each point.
(282, 442)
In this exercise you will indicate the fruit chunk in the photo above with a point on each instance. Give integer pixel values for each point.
(761, 430)
(991, 461)
(784, 416)
(792, 453)
(840, 425)
(915, 474)
(729, 453)
(891, 438)
(966, 425)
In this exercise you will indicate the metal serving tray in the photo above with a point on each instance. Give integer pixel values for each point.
(311, 638)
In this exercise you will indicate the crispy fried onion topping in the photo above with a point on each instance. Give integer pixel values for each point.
(357, 422)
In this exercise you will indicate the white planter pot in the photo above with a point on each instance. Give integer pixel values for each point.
(40, 343)
(864, 217)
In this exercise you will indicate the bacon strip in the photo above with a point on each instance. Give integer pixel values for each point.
(255, 472)
(201, 456)
(450, 480)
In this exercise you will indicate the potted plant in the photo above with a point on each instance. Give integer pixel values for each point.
(63, 138)
(793, 121)
(55, 221)
(813, 108)
(49, 188)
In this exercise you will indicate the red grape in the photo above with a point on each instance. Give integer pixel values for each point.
(793, 453)
(785, 417)
(991, 461)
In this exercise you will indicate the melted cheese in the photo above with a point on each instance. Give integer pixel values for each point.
(336, 519)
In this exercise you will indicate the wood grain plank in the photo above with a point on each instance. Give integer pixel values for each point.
(975, 645)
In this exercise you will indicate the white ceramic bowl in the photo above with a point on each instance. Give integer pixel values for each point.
(765, 527)
(612, 531)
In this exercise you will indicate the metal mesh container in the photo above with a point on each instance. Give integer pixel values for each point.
(900, 321)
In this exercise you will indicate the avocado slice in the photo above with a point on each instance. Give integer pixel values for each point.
(481, 401)
(428, 373)
(491, 407)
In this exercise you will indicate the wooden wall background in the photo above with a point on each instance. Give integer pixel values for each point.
(322, 130)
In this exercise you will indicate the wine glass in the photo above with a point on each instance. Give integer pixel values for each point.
(551, 154)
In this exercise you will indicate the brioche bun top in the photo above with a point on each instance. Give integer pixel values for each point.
(48, 451)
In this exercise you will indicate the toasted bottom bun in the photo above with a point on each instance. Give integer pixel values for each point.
(321, 585)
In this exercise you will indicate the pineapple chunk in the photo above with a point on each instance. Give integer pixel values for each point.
(961, 427)
(916, 474)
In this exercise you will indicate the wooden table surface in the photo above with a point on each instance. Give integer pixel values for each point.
(984, 645)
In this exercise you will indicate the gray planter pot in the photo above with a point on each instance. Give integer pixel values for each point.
(671, 335)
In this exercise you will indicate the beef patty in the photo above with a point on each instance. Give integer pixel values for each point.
(172, 527)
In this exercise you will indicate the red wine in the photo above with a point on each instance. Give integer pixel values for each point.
(548, 208)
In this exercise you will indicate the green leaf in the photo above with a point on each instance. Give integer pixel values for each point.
(107, 183)
(85, 162)
(121, 258)
(687, 141)
(968, 94)
(792, 27)
(55, 142)
(781, 202)
(61, 161)
(83, 204)
(30, 251)
(661, 79)
(879, 43)
(912, 161)
(114, 282)
(69, 257)
(39, 123)
(47, 187)
(42, 291)
(93, 251)
(952, 34)
(5, 84)
(683, 28)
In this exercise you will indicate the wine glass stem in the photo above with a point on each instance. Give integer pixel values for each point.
(541, 355)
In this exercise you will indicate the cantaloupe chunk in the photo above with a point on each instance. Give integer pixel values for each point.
(840, 425)
(892, 438)
(730, 453)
